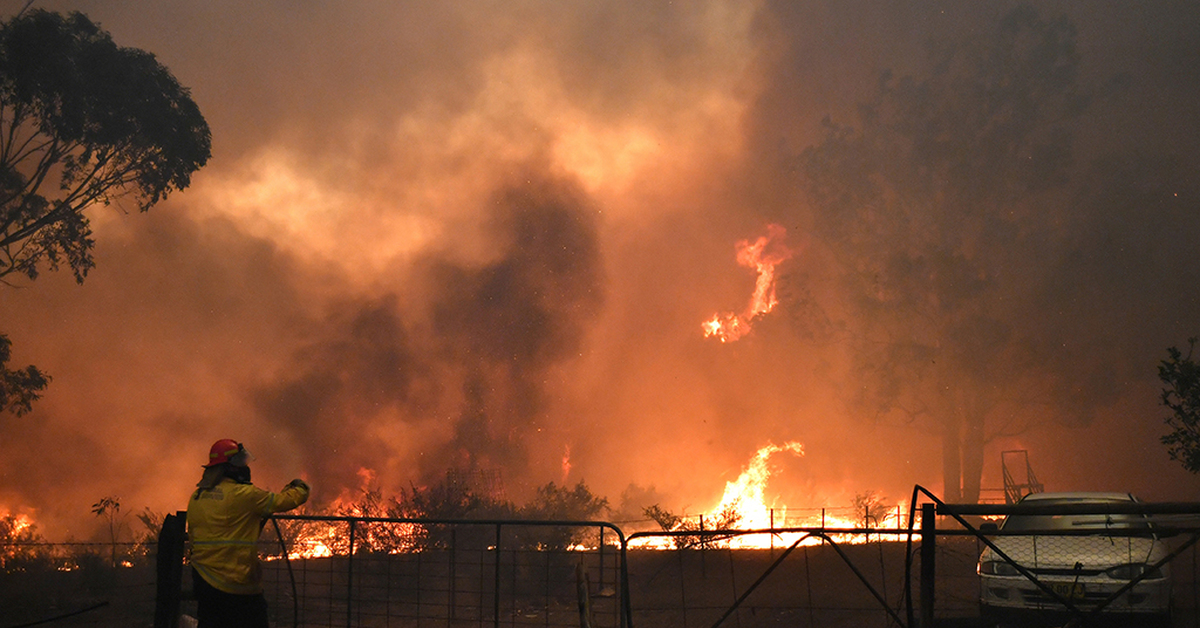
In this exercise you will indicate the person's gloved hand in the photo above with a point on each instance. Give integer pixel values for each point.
(298, 482)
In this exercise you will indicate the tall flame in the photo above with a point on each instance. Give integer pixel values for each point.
(730, 326)
(745, 496)
(566, 463)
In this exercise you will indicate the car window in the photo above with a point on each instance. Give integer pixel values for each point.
(1019, 523)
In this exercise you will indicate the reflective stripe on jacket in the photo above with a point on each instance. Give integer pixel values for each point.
(223, 527)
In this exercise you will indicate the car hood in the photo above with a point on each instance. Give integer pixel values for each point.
(1064, 552)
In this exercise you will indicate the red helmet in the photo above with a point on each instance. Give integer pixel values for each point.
(226, 450)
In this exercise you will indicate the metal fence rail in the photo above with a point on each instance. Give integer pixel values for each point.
(814, 577)
(367, 572)
(417, 572)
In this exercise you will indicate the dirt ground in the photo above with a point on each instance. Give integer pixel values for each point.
(850, 586)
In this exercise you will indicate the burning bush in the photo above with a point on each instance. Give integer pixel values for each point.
(449, 500)
(21, 547)
(870, 509)
(727, 519)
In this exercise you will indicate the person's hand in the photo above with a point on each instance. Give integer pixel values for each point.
(298, 482)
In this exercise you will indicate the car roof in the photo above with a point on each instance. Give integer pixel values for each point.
(1079, 496)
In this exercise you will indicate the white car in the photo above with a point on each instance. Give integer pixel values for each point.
(1085, 569)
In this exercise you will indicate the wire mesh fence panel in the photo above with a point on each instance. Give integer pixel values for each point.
(491, 574)
(76, 584)
(345, 572)
(856, 583)
(957, 584)
(465, 574)
(1186, 593)
(1074, 558)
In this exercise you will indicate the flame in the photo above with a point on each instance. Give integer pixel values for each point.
(17, 532)
(743, 506)
(21, 523)
(566, 463)
(323, 540)
(745, 495)
(309, 548)
(730, 326)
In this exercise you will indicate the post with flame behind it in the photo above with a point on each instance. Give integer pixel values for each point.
(928, 561)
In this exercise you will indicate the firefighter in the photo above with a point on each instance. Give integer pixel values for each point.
(225, 515)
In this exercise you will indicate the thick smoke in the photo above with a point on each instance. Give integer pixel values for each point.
(1016, 287)
(362, 284)
(465, 389)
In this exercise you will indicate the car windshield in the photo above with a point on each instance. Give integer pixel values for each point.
(1075, 522)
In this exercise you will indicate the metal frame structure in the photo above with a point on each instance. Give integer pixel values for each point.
(958, 520)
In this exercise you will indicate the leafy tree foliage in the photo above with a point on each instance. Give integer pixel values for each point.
(21, 387)
(926, 206)
(727, 519)
(83, 122)
(450, 499)
(553, 502)
(1180, 375)
(566, 503)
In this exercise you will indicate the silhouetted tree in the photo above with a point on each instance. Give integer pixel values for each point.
(452, 499)
(553, 502)
(727, 519)
(1181, 377)
(21, 387)
(925, 204)
(83, 122)
(870, 508)
(109, 508)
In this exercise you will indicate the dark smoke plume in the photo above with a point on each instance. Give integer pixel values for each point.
(471, 382)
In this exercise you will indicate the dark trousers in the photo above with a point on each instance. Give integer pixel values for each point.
(218, 609)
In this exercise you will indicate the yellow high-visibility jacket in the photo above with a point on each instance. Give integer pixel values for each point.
(223, 527)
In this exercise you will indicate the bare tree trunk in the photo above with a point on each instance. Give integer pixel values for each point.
(951, 459)
(972, 456)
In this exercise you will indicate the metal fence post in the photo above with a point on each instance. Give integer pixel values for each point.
(600, 551)
(771, 536)
(453, 601)
(496, 585)
(928, 562)
(170, 570)
(350, 577)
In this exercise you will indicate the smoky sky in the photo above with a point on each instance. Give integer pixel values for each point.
(440, 236)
